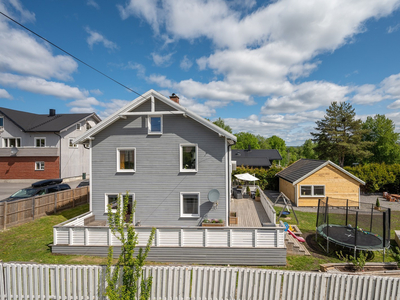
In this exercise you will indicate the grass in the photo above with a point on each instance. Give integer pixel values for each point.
(29, 242)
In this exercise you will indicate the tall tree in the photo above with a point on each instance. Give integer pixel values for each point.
(279, 144)
(246, 139)
(339, 134)
(221, 123)
(307, 150)
(381, 131)
(263, 142)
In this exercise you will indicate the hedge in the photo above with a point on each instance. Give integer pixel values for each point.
(267, 179)
(378, 177)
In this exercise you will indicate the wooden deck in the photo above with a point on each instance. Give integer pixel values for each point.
(250, 213)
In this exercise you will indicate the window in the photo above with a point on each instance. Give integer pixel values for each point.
(70, 144)
(155, 125)
(126, 158)
(40, 142)
(11, 142)
(88, 126)
(312, 191)
(1, 123)
(78, 126)
(190, 205)
(112, 199)
(39, 166)
(188, 158)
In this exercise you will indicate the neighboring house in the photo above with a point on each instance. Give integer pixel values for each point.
(170, 160)
(40, 146)
(308, 180)
(255, 158)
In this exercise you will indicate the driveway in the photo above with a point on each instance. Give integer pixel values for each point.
(9, 187)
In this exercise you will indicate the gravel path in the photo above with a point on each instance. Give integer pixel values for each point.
(366, 200)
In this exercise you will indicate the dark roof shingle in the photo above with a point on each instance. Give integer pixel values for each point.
(300, 168)
(29, 122)
(259, 158)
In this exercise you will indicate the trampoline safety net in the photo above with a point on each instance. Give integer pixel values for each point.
(353, 224)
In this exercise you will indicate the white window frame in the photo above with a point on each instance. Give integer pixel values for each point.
(183, 170)
(88, 125)
(78, 126)
(115, 194)
(6, 142)
(118, 160)
(312, 191)
(149, 125)
(2, 126)
(40, 138)
(182, 215)
(74, 146)
(41, 166)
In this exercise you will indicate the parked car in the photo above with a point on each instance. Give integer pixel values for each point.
(39, 188)
(83, 183)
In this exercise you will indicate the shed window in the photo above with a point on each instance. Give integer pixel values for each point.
(312, 191)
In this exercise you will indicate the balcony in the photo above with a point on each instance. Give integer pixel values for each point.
(29, 151)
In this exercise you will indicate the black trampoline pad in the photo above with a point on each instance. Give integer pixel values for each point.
(346, 235)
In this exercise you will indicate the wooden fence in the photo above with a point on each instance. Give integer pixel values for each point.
(28, 281)
(24, 210)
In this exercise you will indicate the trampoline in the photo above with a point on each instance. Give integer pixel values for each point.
(353, 225)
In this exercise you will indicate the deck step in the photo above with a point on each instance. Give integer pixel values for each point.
(294, 247)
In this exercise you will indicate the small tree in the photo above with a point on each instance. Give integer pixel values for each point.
(377, 204)
(128, 267)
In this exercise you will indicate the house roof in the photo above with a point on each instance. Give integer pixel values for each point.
(124, 111)
(260, 158)
(303, 168)
(30, 122)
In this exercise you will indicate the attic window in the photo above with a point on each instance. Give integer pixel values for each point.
(88, 126)
(155, 125)
(78, 126)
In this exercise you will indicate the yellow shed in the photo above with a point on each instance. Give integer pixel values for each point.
(307, 180)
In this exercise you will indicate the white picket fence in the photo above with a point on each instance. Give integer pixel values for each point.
(34, 282)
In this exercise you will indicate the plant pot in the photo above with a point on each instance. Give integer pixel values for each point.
(213, 224)
(377, 208)
(233, 219)
(258, 199)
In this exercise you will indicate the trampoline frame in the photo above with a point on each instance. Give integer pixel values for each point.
(385, 239)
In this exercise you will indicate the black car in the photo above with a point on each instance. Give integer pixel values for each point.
(83, 183)
(40, 188)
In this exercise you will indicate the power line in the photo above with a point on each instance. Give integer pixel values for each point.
(73, 56)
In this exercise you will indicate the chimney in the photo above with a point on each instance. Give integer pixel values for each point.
(52, 112)
(248, 147)
(174, 98)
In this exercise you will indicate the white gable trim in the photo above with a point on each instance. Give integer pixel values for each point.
(124, 111)
(333, 165)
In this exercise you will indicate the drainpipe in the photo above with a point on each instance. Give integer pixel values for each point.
(60, 154)
(229, 182)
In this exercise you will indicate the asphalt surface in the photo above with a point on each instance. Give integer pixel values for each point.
(7, 188)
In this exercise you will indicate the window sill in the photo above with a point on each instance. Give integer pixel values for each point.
(126, 171)
(154, 133)
(305, 196)
(188, 171)
(189, 217)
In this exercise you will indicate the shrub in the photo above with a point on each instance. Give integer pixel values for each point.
(377, 204)
(267, 179)
(257, 193)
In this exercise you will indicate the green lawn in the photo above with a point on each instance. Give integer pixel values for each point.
(29, 242)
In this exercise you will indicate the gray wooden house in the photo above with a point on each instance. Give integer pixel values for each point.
(170, 160)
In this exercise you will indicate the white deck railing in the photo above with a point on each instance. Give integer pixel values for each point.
(33, 281)
(74, 233)
(269, 209)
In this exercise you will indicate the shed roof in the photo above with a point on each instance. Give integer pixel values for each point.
(30, 122)
(303, 168)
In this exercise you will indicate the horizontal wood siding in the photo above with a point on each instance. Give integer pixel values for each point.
(337, 185)
(288, 189)
(214, 255)
(158, 182)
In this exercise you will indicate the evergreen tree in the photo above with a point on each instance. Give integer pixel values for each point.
(381, 131)
(339, 134)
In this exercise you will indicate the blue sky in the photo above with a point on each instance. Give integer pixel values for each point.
(265, 67)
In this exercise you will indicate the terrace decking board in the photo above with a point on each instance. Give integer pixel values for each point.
(250, 213)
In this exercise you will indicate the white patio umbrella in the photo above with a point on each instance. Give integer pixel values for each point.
(246, 177)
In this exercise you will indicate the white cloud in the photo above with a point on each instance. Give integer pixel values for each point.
(162, 60)
(391, 85)
(40, 86)
(4, 94)
(112, 107)
(21, 53)
(186, 63)
(96, 92)
(93, 4)
(392, 29)
(394, 105)
(97, 38)
(84, 105)
(198, 108)
(146, 8)
(141, 70)
(24, 15)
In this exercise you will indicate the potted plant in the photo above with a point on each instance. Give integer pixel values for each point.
(233, 219)
(213, 223)
(258, 197)
(377, 204)
(248, 191)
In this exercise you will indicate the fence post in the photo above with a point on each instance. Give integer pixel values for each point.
(33, 208)
(55, 202)
(73, 197)
(5, 216)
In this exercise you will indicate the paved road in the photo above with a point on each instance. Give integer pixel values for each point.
(9, 188)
